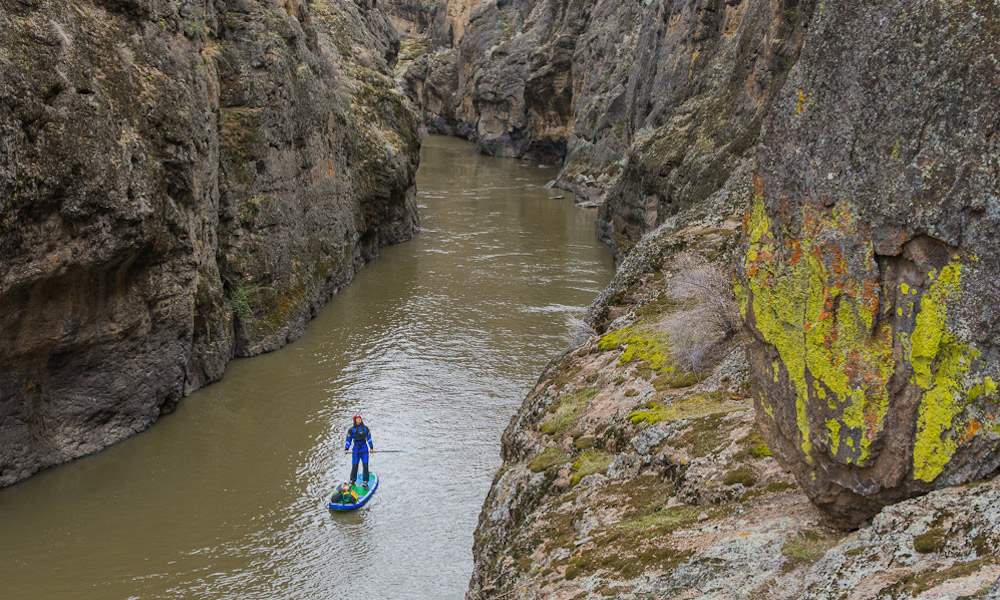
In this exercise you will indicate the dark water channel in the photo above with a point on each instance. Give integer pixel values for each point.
(435, 343)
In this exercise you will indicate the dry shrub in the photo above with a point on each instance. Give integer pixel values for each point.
(700, 333)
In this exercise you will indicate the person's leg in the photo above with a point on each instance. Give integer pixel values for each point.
(364, 461)
(354, 466)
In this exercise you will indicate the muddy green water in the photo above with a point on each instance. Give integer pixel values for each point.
(435, 343)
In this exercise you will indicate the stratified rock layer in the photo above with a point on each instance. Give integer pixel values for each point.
(869, 271)
(181, 182)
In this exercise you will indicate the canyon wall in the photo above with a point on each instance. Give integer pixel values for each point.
(637, 467)
(868, 275)
(647, 106)
(853, 149)
(183, 181)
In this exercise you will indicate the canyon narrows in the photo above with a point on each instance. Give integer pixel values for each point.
(800, 334)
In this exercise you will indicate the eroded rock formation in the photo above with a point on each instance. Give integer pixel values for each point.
(181, 182)
(861, 139)
(869, 272)
(648, 104)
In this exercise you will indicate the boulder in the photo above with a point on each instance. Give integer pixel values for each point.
(870, 258)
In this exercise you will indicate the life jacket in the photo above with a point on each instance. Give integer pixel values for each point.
(361, 436)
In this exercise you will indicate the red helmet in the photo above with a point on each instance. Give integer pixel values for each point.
(356, 417)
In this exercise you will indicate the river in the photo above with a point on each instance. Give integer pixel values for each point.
(435, 343)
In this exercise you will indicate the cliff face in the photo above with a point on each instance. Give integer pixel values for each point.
(869, 272)
(506, 81)
(636, 468)
(858, 142)
(649, 105)
(182, 182)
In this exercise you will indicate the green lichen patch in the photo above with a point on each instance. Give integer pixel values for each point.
(625, 560)
(565, 411)
(547, 459)
(575, 566)
(610, 590)
(658, 307)
(564, 375)
(525, 564)
(779, 486)
(630, 564)
(703, 437)
(639, 344)
(662, 522)
(755, 445)
(690, 407)
(589, 463)
(675, 379)
(644, 494)
(744, 476)
(557, 531)
(916, 584)
(806, 548)
(774, 487)
(934, 540)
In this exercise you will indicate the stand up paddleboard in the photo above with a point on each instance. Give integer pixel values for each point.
(363, 494)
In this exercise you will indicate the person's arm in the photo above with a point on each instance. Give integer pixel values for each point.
(347, 446)
(369, 431)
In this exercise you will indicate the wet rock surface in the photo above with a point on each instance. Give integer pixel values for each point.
(181, 183)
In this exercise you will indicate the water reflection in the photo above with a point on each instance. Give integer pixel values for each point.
(435, 344)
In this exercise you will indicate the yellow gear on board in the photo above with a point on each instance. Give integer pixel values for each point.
(351, 495)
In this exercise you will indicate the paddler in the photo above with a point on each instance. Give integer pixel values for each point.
(361, 437)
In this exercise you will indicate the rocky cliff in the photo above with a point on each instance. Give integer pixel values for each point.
(647, 106)
(852, 149)
(636, 469)
(182, 181)
(869, 269)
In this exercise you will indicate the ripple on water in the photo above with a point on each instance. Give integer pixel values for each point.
(225, 498)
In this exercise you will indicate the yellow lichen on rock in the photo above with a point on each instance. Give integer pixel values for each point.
(639, 344)
(822, 321)
(940, 365)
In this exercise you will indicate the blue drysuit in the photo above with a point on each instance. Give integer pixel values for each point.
(361, 437)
